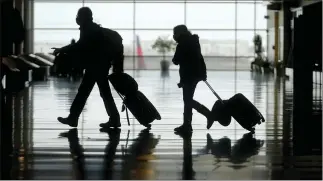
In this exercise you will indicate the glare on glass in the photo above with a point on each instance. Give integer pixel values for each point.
(159, 15)
(210, 16)
(56, 15)
(112, 15)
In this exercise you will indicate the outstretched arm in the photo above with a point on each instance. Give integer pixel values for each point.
(85, 42)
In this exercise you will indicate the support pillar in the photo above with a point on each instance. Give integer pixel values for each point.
(287, 34)
(276, 53)
(29, 25)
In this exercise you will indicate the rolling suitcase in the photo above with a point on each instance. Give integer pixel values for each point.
(244, 112)
(240, 108)
(138, 104)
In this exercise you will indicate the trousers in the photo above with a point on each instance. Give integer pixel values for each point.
(89, 79)
(190, 103)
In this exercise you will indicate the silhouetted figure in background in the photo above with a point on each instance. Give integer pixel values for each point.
(95, 59)
(192, 69)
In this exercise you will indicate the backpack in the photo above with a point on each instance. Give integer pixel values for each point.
(114, 46)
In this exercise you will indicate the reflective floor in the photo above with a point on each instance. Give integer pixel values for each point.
(46, 149)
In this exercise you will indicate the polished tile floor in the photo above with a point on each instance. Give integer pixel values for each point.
(45, 149)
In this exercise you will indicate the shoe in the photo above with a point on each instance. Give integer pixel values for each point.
(187, 125)
(72, 122)
(112, 123)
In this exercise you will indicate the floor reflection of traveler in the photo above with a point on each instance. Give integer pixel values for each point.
(137, 156)
(188, 172)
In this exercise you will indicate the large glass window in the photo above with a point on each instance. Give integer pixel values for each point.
(261, 12)
(112, 15)
(44, 40)
(159, 15)
(245, 16)
(216, 42)
(225, 28)
(56, 14)
(210, 15)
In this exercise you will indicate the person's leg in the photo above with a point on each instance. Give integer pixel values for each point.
(110, 106)
(78, 104)
(204, 111)
(188, 93)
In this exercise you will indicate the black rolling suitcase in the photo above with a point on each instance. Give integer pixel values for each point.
(134, 100)
(240, 108)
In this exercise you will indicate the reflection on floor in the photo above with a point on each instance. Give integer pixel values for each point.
(45, 149)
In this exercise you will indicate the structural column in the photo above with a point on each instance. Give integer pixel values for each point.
(19, 5)
(287, 33)
(29, 25)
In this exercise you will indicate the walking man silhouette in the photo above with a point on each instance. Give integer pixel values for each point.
(96, 61)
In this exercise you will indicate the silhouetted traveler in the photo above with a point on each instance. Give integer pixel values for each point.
(95, 59)
(192, 69)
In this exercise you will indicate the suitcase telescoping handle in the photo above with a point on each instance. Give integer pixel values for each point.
(216, 95)
(125, 108)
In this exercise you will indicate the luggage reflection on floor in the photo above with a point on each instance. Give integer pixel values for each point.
(136, 163)
(244, 148)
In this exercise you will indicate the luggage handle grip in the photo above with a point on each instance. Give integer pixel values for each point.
(216, 95)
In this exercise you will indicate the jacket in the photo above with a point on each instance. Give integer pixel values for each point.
(189, 58)
(90, 47)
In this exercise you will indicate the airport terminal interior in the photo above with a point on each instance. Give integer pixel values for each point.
(270, 51)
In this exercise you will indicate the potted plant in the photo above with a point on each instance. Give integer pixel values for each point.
(164, 45)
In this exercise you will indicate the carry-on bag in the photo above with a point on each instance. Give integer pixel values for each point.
(240, 108)
(138, 104)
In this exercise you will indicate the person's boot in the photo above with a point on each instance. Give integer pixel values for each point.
(70, 120)
(205, 112)
(114, 122)
(186, 126)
